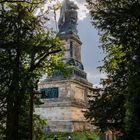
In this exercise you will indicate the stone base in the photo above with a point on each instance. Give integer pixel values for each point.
(65, 113)
(67, 126)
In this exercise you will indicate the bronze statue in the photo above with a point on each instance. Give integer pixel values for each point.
(68, 18)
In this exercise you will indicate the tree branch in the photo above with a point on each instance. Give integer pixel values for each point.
(33, 67)
(13, 1)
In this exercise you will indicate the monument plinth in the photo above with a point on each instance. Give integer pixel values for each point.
(65, 99)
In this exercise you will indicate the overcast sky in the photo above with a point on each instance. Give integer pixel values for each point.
(91, 54)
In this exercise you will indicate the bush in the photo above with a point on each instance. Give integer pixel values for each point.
(75, 135)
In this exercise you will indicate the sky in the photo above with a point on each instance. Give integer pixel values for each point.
(92, 56)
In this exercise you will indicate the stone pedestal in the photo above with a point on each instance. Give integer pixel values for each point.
(65, 113)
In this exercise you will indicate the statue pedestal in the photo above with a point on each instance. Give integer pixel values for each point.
(65, 113)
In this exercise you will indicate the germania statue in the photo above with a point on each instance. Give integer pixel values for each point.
(68, 18)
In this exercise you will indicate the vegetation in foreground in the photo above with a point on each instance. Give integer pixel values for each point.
(75, 136)
(27, 51)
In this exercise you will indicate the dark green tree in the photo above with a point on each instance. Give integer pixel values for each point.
(27, 50)
(119, 27)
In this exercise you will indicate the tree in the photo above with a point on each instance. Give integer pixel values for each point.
(27, 50)
(118, 24)
(37, 129)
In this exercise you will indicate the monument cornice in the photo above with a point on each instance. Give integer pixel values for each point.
(88, 85)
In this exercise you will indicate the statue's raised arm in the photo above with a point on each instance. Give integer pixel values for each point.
(68, 18)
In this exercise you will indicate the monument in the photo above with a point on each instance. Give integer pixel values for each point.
(65, 99)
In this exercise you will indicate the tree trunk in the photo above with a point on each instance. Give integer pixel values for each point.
(31, 116)
(12, 124)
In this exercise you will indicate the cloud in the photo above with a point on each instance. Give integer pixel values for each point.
(95, 76)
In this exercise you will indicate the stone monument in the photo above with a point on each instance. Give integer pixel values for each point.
(65, 99)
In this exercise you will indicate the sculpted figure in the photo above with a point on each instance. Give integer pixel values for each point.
(68, 18)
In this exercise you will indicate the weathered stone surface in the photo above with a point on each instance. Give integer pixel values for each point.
(65, 113)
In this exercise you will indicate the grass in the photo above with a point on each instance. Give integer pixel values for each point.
(75, 136)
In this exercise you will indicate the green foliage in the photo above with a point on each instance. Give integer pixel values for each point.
(74, 135)
(2, 130)
(38, 125)
(116, 105)
(27, 51)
